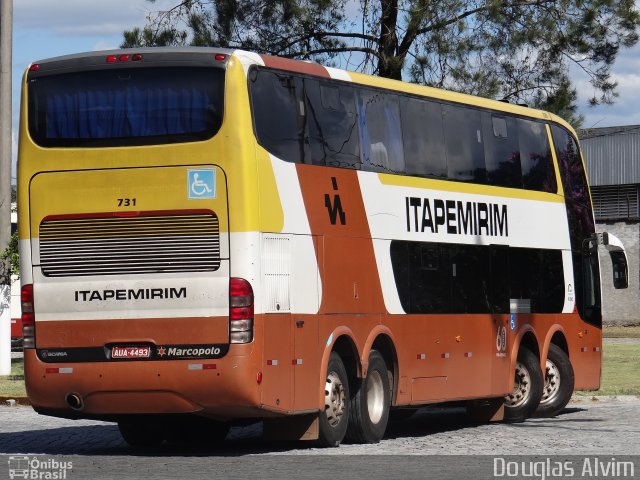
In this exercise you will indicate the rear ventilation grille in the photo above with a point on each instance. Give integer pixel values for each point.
(129, 245)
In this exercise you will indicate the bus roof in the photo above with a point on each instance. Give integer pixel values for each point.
(196, 56)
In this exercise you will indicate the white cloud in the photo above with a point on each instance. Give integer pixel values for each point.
(80, 17)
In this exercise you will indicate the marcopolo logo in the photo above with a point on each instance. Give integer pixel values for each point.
(39, 468)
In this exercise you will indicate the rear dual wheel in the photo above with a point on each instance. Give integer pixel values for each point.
(357, 410)
(558, 383)
(370, 403)
(522, 402)
(334, 418)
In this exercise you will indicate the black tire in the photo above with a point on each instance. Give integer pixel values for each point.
(142, 433)
(334, 419)
(558, 383)
(527, 390)
(370, 403)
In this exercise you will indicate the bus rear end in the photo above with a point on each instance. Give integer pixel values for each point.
(129, 307)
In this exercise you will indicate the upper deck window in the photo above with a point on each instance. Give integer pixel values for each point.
(134, 106)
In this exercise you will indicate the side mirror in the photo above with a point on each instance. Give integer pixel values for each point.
(620, 269)
(618, 256)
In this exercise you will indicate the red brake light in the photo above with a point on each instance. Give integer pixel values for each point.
(240, 292)
(240, 311)
(124, 58)
(26, 301)
(34, 67)
(112, 59)
(220, 57)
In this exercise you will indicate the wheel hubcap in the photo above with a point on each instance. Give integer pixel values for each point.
(334, 399)
(521, 388)
(551, 383)
(375, 396)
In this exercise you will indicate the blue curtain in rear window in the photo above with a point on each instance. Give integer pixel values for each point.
(127, 112)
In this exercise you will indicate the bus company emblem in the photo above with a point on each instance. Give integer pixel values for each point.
(130, 294)
(334, 209)
(172, 352)
(456, 217)
(201, 183)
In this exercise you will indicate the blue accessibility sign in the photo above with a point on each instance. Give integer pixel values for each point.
(201, 183)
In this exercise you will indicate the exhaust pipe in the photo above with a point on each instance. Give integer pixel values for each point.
(74, 401)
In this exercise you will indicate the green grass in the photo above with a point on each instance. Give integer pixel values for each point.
(620, 375)
(13, 386)
(621, 332)
(620, 372)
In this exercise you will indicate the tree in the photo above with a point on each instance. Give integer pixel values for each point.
(518, 50)
(10, 258)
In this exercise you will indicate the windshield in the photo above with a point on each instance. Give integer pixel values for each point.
(131, 106)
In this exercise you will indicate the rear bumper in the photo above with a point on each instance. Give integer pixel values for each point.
(223, 388)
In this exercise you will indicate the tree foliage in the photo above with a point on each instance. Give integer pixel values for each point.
(10, 259)
(519, 50)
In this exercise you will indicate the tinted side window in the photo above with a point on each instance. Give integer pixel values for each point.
(471, 281)
(463, 139)
(276, 95)
(422, 274)
(535, 157)
(571, 168)
(450, 278)
(501, 150)
(423, 138)
(332, 125)
(380, 135)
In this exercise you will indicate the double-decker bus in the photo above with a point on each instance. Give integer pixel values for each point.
(213, 235)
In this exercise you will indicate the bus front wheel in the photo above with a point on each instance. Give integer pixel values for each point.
(522, 402)
(370, 403)
(334, 418)
(558, 383)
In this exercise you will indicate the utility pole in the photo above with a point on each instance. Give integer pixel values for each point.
(6, 25)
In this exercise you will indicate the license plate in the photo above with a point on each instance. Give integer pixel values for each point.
(131, 352)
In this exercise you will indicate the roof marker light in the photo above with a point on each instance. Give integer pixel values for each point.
(136, 57)
(112, 59)
(220, 57)
(34, 67)
(124, 58)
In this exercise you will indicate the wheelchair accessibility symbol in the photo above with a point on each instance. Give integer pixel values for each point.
(201, 183)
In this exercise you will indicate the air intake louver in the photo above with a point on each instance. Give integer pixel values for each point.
(129, 245)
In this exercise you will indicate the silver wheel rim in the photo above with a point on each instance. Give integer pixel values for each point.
(334, 399)
(375, 396)
(552, 381)
(521, 388)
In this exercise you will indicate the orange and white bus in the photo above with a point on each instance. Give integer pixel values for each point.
(210, 236)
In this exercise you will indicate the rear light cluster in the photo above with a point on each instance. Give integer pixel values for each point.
(240, 311)
(28, 317)
(124, 57)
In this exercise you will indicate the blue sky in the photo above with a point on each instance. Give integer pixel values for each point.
(48, 28)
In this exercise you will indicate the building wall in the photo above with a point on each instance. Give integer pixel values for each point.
(621, 307)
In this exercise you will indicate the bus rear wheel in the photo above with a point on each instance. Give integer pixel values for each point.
(522, 402)
(558, 383)
(370, 403)
(334, 418)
